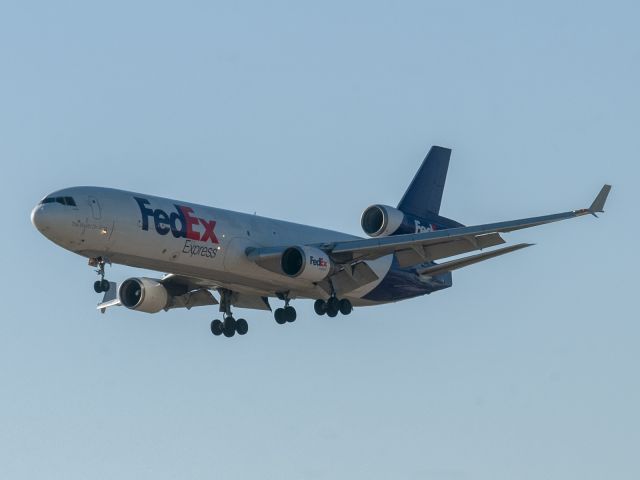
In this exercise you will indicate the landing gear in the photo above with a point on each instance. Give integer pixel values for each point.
(242, 327)
(333, 306)
(229, 326)
(320, 306)
(216, 327)
(345, 307)
(284, 315)
(101, 285)
(287, 314)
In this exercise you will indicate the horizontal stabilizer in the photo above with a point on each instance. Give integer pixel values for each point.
(466, 261)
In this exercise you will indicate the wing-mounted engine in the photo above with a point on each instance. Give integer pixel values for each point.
(305, 263)
(143, 294)
(151, 295)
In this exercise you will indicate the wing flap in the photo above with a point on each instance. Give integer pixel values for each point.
(428, 253)
(110, 298)
(195, 298)
(353, 277)
(254, 302)
(466, 261)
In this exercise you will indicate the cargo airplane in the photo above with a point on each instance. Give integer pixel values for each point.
(248, 260)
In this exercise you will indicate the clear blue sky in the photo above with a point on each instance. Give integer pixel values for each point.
(527, 368)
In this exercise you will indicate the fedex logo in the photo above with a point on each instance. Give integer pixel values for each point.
(318, 262)
(422, 229)
(181, 223)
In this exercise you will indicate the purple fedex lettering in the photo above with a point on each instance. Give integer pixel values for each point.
(180, 223)
(318, 262)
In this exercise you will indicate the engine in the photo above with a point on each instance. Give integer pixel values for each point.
(381, 220)
(306, 263)
(143, 294)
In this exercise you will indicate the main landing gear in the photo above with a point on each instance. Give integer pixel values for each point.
(101, 285)
(333, 306)
(287, 314)
(228, 326)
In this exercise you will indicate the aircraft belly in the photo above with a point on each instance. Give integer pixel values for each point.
(380, 267)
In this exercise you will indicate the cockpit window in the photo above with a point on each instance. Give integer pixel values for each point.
(68, 201)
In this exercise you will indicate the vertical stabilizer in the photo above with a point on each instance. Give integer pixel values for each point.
(424, 195)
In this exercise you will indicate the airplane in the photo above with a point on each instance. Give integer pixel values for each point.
(249, 260)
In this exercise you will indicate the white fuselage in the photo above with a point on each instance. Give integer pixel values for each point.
(183, 238)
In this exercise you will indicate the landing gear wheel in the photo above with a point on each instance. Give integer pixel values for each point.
(345, 307)
(242, 327)
(217, 327)
(333, 307)
(280, 316)
(229, 327)
(105, 285)
(97, 286)
(333, 304)
(290, 314)
(320, 306)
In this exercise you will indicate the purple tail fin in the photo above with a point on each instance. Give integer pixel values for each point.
(424, 196)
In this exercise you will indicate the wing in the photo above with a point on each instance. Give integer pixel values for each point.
(417, 248)
(188, 292)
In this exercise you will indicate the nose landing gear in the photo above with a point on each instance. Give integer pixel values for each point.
(101, 285)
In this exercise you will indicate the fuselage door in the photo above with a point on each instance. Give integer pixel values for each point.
(96, 210)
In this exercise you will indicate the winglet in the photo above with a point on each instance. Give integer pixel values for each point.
(598, 203)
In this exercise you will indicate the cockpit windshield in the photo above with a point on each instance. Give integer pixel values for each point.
(67, 201)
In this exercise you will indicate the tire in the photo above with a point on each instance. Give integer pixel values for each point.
(280, 316)
(216, 327)
(290, 314)
(345, 307)
(105, 285)
(320, 306)
(97, 286)
(333, 304)
(242, 327)
(332, 313)
(229, 327)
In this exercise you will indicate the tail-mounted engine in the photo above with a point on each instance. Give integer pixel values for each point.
(143, 294)
(381, 220)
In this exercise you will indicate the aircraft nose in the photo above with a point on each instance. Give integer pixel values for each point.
(37, 218)
(42, 219)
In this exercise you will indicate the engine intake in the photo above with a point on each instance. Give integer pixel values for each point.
(143, 294)
(381, 220)
(306, 263)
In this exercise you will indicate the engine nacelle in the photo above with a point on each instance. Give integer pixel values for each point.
(381, 220)
(306, 263)
(143, 294)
